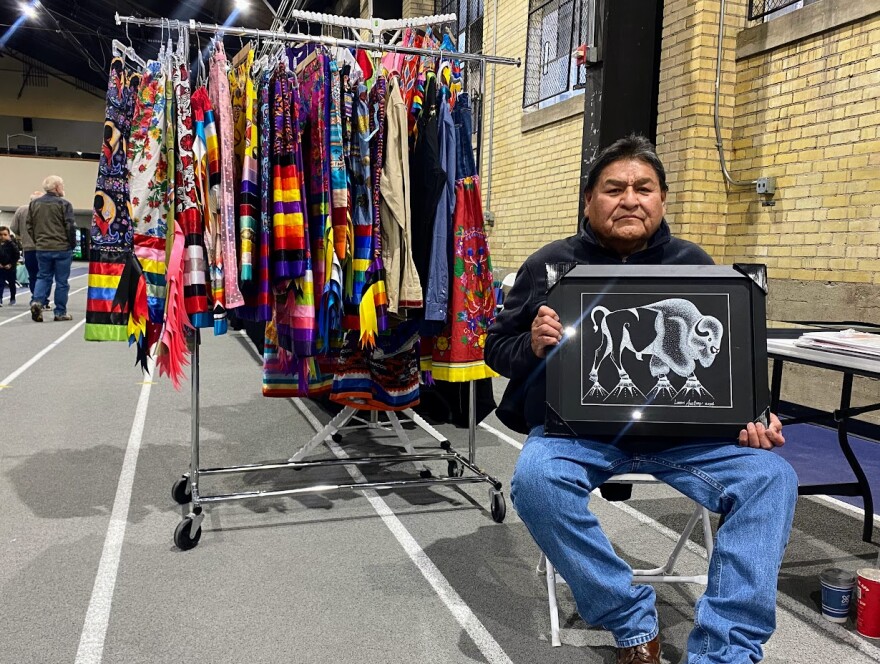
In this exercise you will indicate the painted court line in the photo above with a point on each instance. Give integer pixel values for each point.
(91, 642)
(462, 613)
(502, 436)
(844, 506)
(840, 504)
(785, 602)
(27, 365)
(788, 604)
(28, 311)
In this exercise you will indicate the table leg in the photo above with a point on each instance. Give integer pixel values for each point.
(861, 478)
(776, 386)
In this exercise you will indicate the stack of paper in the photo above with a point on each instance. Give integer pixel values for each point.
(849, 342)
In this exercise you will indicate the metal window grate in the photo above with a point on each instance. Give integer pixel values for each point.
(33, 76)
(555, 29)
(467, 34)
(760, 8)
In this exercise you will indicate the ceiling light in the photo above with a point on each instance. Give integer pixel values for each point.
(29, 9)
(242, 5)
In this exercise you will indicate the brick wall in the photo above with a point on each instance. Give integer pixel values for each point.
(413, 8)
(535, 173)
(807, 113)
(697, 202)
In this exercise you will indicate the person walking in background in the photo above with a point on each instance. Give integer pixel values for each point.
(8, 259)
(19, 229)
(50, 224)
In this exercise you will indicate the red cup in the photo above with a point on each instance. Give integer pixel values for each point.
(868, 599)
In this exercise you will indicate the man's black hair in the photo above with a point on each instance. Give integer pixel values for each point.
(4, 228)
(631, 147)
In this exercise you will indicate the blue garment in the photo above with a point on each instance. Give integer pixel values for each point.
(756, 490)
(465, 166)
(33, 269)
(53, 264)
(437, 292)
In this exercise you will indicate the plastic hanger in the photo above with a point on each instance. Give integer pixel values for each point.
(121, 49)
(202, 75)
(161, 54)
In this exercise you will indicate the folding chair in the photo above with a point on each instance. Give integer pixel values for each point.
(663, 574)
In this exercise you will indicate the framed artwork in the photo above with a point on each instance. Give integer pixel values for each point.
(657, 350)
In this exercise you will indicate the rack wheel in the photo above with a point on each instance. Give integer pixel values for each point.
(425, 474)
(184, 539)
(336, 437)
(455, 469)
(498, 506)
(180, 491)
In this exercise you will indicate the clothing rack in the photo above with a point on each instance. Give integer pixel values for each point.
(295, 37)
(186, 489)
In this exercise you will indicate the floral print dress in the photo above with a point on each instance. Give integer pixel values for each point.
(148, 184)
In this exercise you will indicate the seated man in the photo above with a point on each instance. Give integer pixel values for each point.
(755, 489)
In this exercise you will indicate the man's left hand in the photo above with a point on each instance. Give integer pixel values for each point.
(758, 436)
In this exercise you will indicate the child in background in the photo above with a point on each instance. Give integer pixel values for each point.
(9, 255)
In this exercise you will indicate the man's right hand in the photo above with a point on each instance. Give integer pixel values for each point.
(546, 331)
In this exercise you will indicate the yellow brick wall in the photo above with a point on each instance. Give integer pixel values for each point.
(808, 114)
(413, 8)
(535, 174)
(697, 201)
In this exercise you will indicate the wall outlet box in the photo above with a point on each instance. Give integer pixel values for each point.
(766, 185)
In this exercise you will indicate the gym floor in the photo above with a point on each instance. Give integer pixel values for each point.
(90, 449)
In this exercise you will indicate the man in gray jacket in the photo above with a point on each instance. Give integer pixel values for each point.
(51, 227)
(29, 251)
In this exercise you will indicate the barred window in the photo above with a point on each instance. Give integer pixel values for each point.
(556, 28)
(770, 9)
(467, 34)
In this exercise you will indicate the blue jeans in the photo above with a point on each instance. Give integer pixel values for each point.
(53, 264)
(33, 269)
(465, 164)
(755, 489)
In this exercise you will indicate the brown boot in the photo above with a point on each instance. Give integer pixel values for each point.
(645, 653)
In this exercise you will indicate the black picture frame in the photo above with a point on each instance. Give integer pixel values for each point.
(701, 336)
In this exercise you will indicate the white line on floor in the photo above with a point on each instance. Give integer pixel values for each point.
(502, 436)
(24, 367)
(490, 648)
(481, 637)
(28, 311)
(785, 602)
(844, 506)
(91, 642)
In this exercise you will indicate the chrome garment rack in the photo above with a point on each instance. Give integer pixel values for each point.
(185, 490)
(192, 26)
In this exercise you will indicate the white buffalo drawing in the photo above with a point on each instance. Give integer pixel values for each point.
(673, 332)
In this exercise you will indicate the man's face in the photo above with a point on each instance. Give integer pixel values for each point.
(4, 236)
(59, 189)
(626, 206)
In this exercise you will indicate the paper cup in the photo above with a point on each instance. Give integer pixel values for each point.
(837, 589)
(868, 599)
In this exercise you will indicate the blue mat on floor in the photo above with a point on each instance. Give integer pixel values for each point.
(814, 453)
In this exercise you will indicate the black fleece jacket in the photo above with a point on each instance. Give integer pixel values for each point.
(9, 253)
(508, 342)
